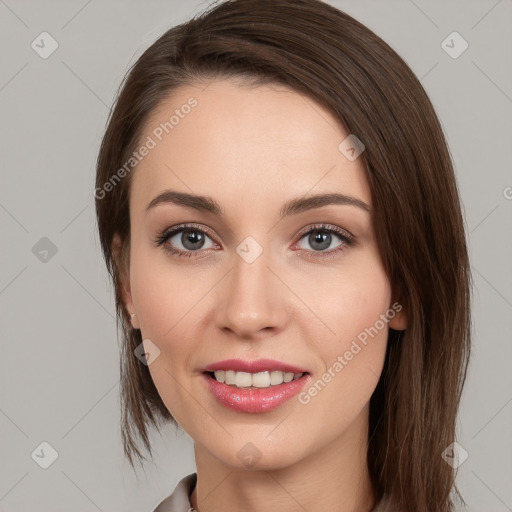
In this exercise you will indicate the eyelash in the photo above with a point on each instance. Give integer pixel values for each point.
(347, 239)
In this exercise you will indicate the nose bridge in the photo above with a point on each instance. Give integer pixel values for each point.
(250, 297)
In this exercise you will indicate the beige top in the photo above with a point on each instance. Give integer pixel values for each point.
(179, 500)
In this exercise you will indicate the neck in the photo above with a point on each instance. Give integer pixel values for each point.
(333, 477)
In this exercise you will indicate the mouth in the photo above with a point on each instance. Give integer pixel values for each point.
(259, 380)
(259, 392)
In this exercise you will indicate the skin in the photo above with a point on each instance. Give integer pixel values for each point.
(252, 149)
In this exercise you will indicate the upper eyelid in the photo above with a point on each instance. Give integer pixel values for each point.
(174, 230)
(326, 227)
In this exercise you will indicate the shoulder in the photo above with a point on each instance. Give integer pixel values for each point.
(179, 500)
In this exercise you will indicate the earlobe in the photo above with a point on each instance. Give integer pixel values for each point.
(128, 303)
(399, 321)
(124, 279)
(134, 321)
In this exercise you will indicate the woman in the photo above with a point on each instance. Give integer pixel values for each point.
(278, 211)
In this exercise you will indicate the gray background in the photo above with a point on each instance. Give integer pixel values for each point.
(59, 351)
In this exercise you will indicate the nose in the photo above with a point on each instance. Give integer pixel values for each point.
(252, 300)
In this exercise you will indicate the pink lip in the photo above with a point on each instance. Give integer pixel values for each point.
(260, 365)
(254, 400)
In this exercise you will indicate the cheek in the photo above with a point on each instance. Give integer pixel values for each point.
(349, 302)
(164, 299)
(162, 295)
(353, 306)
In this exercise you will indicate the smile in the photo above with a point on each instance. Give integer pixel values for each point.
(263, 379)
(254, 399)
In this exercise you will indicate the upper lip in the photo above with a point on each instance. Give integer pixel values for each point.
(259, 365)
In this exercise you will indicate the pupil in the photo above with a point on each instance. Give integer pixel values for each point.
(322, 238)
(192, 239)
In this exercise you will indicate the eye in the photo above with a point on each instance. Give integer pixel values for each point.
(184, 240)
(320, 238)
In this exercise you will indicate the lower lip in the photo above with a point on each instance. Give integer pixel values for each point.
(254, 400)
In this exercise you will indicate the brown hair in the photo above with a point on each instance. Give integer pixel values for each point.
(320, 51)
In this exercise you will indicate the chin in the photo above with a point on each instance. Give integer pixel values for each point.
(252, 456)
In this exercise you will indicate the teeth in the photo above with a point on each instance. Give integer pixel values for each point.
(257, 380)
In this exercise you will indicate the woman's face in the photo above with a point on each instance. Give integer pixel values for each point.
(257, 280)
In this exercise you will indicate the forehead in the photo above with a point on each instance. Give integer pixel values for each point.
(238, 142)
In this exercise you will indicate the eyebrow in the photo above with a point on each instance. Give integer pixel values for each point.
(291, 207)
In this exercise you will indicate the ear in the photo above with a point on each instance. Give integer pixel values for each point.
(399, 320)
(119, 253)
